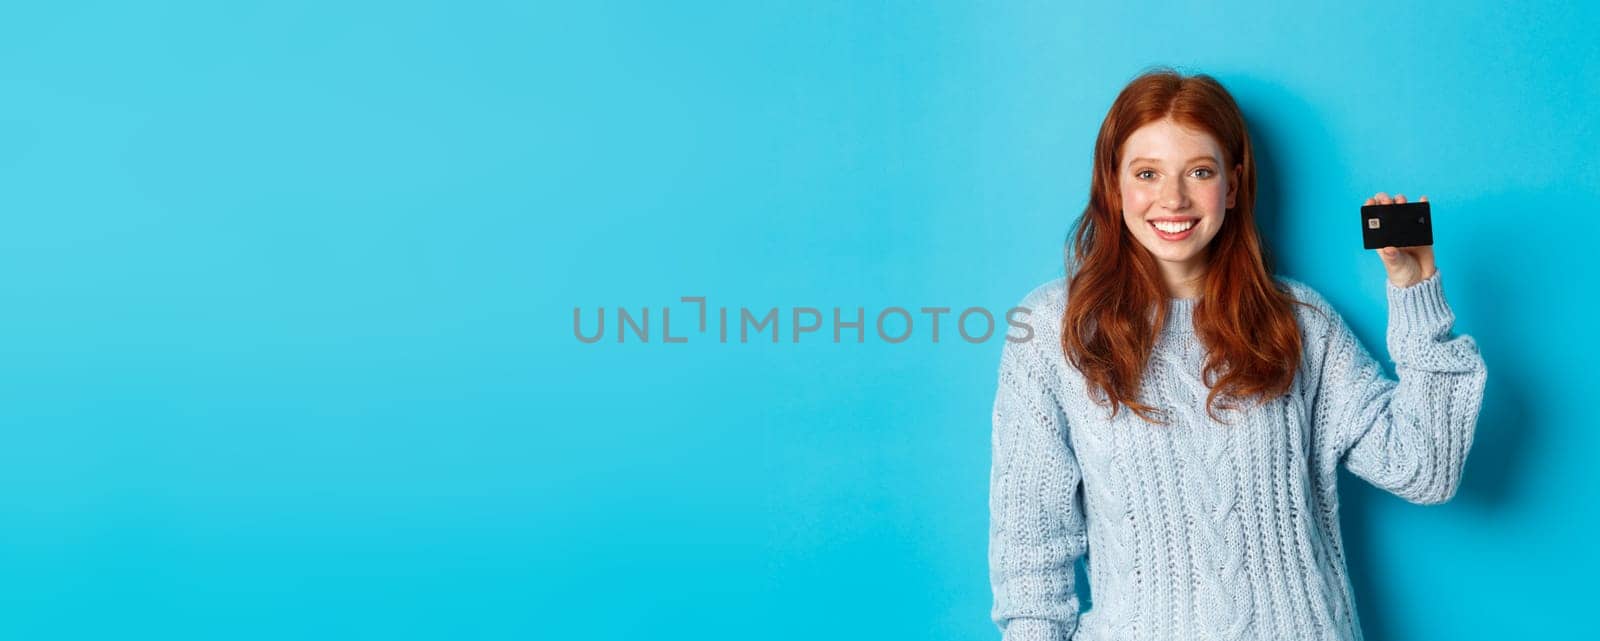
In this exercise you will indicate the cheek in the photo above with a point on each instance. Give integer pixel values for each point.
(1215, 193)
(1133, 210)
(1136, 201)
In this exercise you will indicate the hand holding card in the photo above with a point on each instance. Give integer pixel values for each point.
(1403, 236)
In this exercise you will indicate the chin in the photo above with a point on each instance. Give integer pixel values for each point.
(1177, 257)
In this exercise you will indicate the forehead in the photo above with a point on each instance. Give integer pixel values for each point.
(1168, 141)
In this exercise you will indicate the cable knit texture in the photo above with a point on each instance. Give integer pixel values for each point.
(1203, 530)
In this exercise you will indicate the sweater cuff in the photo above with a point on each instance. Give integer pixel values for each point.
(1421, 305)
(1418, 318)
(1025, 629)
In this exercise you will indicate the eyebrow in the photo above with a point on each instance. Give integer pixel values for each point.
(1152, 160)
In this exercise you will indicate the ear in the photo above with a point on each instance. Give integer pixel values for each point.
(1233, 184)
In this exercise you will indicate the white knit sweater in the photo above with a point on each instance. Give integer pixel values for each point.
(1202, 530)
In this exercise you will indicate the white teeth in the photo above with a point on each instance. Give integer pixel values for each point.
(1173, 228)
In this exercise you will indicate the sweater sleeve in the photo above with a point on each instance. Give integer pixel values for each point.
(1036, 528)
(1409, 437)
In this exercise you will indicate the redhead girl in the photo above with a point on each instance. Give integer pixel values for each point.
(1180, 413)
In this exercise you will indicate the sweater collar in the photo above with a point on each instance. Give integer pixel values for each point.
(1179, 330)
(1180, 312)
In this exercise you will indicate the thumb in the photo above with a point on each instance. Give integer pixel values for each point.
(1398, 261)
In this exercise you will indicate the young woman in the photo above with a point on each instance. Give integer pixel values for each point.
(1180, 413)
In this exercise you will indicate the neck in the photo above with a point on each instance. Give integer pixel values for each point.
(1184, 280)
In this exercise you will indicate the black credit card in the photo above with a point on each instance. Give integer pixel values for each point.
(1402, 225)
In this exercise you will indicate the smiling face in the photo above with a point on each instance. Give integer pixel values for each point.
(1175, 197)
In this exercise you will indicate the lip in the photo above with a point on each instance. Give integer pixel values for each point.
(1174, 237)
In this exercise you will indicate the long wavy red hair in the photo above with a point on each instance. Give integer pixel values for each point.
(1117, 302)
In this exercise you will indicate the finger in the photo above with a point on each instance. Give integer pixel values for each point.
(1368, 203)
(1383, 198)
(1400, 199)
(1422, 199)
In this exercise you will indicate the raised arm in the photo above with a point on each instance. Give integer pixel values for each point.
(1036, 528)
(1410, 437)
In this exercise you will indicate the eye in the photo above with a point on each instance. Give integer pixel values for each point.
(1141, 174)
(1204, 172)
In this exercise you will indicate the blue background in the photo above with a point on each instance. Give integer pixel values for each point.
(288, 289)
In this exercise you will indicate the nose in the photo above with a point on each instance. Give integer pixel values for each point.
(1173, 195)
